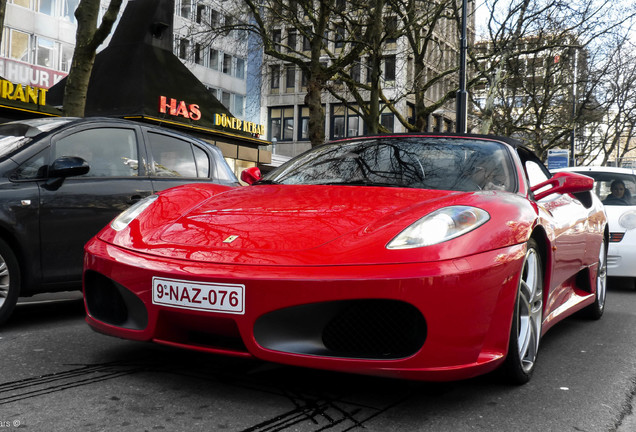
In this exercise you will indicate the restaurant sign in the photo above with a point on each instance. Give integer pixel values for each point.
(176, 108)
(23, 93)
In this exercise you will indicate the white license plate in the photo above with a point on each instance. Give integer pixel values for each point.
(217, 297)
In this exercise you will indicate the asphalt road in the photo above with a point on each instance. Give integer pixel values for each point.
(58, 375)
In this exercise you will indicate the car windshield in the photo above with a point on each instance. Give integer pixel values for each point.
(614, 189)
(417, 162)
(14, 135)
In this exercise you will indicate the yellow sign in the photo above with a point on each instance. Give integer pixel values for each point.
(23, 93)
(237, 124)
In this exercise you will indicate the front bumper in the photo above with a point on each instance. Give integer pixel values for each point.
(433, 321)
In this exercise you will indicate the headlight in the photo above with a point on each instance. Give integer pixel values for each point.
(128, 215)
(441, 225)
(628, 220)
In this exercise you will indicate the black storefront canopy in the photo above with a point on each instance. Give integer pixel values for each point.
(138, 76)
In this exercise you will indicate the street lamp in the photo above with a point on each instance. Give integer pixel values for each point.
(462, 96)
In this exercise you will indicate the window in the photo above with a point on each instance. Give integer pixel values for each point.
(184, 45)
(214, 59)
(110, 152)
(18, 45)
(338, 122)
(355, 72)
(45, 53)
(276, 38)
(203, 14)
(353, 126)
(46, 7)
(199, 54)
(227, 64)
(173, 157)
(215, 18)
(290, 79)
(306, 43)
(282, 123)
(340, 36)
(239, 102)
(389, 68)
(391, 28)
(303, 130)
(274, 78)
(225, 99)
(387, 121)
(304, 79)
(292, 36)
(186, 8)
(240, 68)
(23, 3)
(66, 57)
(68, 10)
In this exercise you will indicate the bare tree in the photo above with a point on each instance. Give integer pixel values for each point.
(88, 38)
(541, 67)
(3, 8)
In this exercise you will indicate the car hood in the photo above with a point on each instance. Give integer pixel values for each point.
(311, 225)
(290, 218)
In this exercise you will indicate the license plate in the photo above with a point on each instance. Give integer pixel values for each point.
(215, 297)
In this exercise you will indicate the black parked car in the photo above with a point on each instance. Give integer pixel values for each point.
(63, 179)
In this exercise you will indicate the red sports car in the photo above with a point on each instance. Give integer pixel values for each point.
(433, 257)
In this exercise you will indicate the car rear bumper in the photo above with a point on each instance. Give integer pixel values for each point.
(433, 321)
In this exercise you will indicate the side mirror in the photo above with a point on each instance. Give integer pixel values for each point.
(251, 175)
(68, 166)
(562, 183)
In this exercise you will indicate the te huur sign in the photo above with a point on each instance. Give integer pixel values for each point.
(22, 93)
(178, 108)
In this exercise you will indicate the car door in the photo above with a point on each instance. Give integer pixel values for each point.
(568, 217)
(175, 160)
(75, 209)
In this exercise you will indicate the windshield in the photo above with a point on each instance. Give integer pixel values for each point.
(416, 162)
(14, 135)
(614, 189)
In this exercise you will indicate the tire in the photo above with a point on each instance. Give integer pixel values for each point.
(9, 281)
(527, 318)
(596, 309)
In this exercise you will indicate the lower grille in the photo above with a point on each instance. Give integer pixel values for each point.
(365, 329)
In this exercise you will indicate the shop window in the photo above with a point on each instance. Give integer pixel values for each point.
(172, 157)
(110, 152)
